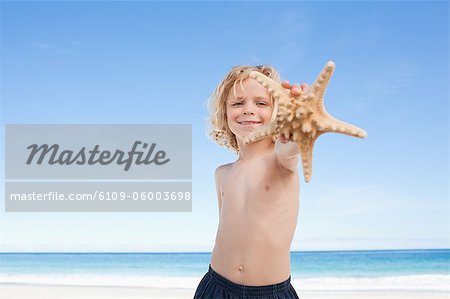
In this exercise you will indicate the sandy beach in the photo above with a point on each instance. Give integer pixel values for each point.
(19, 291)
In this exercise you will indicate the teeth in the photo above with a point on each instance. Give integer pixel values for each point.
(248, 122)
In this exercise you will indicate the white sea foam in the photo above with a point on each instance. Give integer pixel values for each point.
(103, 280)
(437, 283)
(440, 283)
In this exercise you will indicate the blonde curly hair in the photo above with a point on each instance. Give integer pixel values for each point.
(219, 131)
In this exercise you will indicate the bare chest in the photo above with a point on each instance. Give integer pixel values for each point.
(256, 184)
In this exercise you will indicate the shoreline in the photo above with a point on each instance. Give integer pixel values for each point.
(41, 291)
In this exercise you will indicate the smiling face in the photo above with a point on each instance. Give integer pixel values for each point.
(248, 107)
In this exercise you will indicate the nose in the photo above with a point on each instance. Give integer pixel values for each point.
(248, 110)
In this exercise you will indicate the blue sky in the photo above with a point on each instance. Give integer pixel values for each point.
(155, 62)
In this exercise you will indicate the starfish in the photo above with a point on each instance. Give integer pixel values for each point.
(302, 119)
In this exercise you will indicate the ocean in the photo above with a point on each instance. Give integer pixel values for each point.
(380, 270)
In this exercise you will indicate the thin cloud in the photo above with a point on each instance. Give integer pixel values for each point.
(65, 47)
(44, 46)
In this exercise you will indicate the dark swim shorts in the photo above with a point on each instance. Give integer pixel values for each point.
(214, 286)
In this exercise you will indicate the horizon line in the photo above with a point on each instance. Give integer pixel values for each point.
(202, 252)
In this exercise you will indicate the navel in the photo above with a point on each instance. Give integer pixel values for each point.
(267, 188)
(241, 267)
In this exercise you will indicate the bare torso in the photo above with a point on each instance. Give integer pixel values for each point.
(258, 216)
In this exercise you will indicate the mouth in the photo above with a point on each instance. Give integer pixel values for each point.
(249, 123)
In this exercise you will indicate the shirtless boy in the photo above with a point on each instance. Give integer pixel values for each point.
(258, 195)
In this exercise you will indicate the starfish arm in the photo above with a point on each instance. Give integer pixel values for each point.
(261, 133)
(321, 83)
(332, 124)
(273, 87)
(306, 151)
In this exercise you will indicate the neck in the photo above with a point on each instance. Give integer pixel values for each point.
(252, 150)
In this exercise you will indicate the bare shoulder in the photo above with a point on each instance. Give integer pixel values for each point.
(221, 170)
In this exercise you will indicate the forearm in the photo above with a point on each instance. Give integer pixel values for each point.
(287, 154)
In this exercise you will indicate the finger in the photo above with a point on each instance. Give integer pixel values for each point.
(286, 84)
(296, 86)
(282, 139)
(296, 90)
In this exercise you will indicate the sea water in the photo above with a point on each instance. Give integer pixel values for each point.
(385, 270)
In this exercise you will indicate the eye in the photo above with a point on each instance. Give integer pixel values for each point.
(237, 104)
(262, 103)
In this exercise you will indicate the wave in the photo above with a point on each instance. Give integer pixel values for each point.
(437, 283)
(434, 283)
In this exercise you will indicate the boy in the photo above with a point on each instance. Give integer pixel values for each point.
(258, 195)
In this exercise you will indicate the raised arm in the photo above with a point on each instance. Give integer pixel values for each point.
(287, 154)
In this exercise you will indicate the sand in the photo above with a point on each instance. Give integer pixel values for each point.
(21, 291)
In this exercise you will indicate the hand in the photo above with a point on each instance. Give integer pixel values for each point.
(282, 139)
(296, 89)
